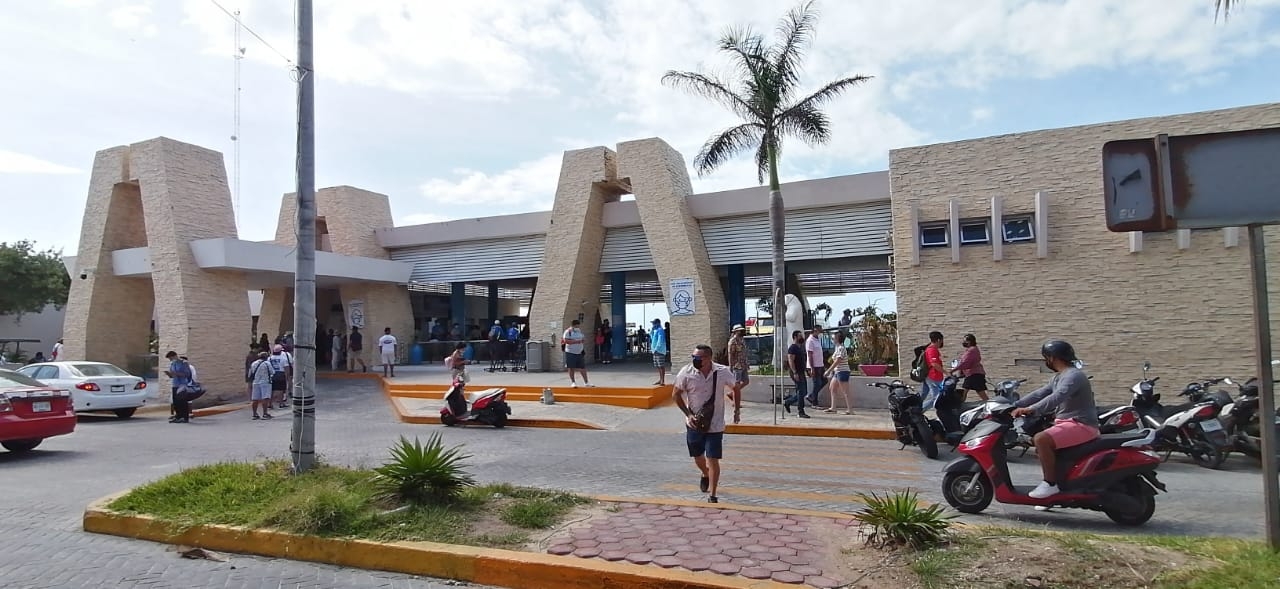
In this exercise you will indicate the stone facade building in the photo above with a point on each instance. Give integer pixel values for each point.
(1180, 300)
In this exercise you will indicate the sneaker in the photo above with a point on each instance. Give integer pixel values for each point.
(268, 416)
(805, 415)
(589, 385)
(713, 499)
(1043, 491)
(1042, 508)
(704, 484)
(255, 416)
(573, 385)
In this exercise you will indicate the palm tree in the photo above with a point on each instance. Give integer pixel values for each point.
(1223, 7)
(764, 97)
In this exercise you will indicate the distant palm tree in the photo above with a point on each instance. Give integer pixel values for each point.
(1223, 7)
(764, 97)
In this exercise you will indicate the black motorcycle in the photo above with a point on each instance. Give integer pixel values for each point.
(1241, 420)
(910, 424)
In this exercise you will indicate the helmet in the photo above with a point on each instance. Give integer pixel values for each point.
(1056, 348)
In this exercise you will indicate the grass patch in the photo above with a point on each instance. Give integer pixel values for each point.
(1239, 564)
(339, 502)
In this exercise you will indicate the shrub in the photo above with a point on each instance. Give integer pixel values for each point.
(423, 475)
(897, 518)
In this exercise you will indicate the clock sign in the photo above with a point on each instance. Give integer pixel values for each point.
(1131, 186)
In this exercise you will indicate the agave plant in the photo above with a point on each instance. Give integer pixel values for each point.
(423, 475)
(897, 518)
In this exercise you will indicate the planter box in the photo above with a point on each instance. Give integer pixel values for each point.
(875, 370)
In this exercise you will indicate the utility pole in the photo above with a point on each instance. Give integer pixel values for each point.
(302, 440)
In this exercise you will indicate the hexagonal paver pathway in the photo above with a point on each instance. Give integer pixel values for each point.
(756, 545)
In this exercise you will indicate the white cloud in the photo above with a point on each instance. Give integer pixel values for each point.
(981, 114)
(17, 163)
(529, 186)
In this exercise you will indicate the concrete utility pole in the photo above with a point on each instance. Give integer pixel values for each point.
(302, 440)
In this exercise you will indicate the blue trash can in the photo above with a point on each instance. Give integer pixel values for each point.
(415, 354)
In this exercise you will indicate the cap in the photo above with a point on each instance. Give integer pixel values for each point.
(278, 348)
(497, 322)
(657, 321)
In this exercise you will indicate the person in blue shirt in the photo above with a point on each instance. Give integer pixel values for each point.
(658, 345)
(180, 373)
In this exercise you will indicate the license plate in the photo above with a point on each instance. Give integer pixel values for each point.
(1211, 425)
(117, 388)
(41, 406)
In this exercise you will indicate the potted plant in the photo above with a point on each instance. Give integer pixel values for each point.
(875, 340)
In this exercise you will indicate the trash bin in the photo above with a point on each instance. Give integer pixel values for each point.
(536, 359)
(416, 354)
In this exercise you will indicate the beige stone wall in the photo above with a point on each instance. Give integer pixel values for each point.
(1187, 311)
(351, 215)
(162, 194)
(661, 186)
(569, 282)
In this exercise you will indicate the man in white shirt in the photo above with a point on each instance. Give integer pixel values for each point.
(281, 375)
(816, 363)
(698, 385)
(56, 355)
(575, 354)
(387, 350)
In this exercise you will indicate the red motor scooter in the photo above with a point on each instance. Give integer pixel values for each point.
(489, 406)
(1114, 474)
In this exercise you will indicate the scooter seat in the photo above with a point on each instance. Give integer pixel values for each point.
(1104, 442)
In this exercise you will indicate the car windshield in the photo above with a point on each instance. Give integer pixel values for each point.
(11, 379)
(98, 370)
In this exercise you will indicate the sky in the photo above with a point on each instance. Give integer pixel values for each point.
(458, 110)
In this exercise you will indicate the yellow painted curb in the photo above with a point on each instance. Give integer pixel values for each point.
(485, 566)
(815, 432)
(202, 412)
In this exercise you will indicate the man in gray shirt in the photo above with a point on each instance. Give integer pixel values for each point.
(1070, 397)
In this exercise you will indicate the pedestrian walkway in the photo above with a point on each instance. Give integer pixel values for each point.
(790, 548)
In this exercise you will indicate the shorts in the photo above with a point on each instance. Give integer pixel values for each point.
(742, 376)
(357, 354)
(660, 360)
(843, 375)
(388, 358)
(704, 443)
(576, 361)
(279, 384)
(260, 392)
(1069, 432)
(975, 382)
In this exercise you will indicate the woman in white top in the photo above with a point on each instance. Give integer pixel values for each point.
(840, 384)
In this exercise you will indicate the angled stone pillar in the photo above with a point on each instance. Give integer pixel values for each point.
(570, 280)
(661, 186)
(351, 216)
(108, 317)
(183, 196)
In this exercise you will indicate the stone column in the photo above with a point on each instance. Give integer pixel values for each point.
(661, 186)
(618, 308)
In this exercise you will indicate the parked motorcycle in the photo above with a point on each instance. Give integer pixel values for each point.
(1115, 474)
(1197, 431)
(488, 407)
(910, 424)
(1241, 420)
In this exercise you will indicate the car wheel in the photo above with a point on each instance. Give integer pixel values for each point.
(19, 446)
(125, 413)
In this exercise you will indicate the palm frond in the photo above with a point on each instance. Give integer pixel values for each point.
(723, 146)
(826, 93)
(762, 156)
(806, 123)
(708, 87)
(796, 31)
(1223, 7)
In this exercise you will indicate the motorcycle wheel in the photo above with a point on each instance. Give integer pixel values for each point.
(924, 437)
(953, 490)
(499, 419)
(1138, 489)
(448, 420)
(1208, 455)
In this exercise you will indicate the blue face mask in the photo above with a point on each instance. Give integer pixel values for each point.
(697, 361)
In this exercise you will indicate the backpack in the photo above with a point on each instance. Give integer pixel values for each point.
(918, 367)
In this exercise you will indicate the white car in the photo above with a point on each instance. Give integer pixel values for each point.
(94, 386)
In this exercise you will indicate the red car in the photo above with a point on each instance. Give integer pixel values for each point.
(31, 412)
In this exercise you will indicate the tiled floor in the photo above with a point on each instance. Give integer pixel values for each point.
(785, 548)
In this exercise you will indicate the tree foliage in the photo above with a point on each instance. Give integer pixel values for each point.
(30, 279)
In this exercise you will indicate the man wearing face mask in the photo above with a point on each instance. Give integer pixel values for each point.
(1070, 397)
(699, 393)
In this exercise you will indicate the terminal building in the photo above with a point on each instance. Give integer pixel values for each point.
(1003, 237)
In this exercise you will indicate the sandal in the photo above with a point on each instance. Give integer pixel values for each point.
(830, 410)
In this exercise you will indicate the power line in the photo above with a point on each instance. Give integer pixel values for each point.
(236, 18)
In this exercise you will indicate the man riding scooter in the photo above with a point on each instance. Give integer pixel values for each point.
(1070, 397)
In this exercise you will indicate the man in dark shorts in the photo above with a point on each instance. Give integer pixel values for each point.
(697, 383)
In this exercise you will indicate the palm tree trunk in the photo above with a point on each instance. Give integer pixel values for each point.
(777, 229)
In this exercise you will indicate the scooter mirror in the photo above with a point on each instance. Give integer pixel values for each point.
(1146, 366)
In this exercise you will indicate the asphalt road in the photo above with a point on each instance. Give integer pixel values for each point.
(45, 491)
